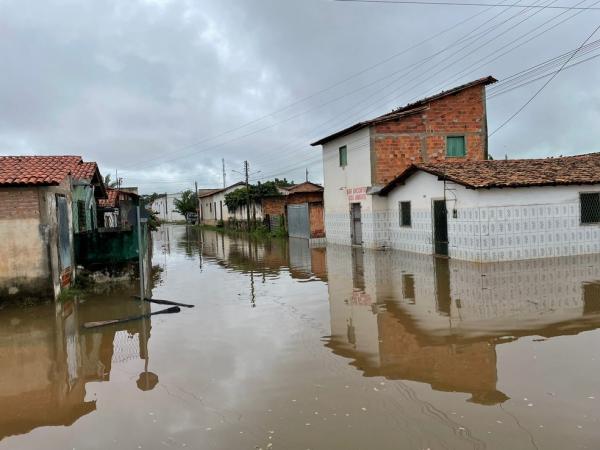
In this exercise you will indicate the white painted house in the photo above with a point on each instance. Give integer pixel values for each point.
(494, 210)
(365, 157)
(164, 206)
(214, 209)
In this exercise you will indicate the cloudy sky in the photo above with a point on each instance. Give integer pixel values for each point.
(162, 90)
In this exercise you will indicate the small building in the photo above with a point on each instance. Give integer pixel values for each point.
(299, 208)
(213, 208)
(36, 224)
(488, 211)
(88, 190)
(115, 241)
(357, 160)
(164, 206)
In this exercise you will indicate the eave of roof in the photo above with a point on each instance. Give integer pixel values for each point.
(409, 109)
(559, 171)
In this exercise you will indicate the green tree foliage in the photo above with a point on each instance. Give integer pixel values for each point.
(108, 183)
(237, 199)
(187, 204)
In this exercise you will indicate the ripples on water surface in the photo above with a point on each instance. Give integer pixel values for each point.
(312, 349)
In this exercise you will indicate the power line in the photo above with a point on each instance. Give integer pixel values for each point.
(416, 2)
(544, 85)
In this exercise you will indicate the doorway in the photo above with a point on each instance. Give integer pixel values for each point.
(440, 227)
(356, 223)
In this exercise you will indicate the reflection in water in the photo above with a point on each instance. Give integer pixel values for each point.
(443, 325)
(439, 321)
(47, 358)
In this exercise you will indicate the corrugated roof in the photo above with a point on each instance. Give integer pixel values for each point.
(512, 173)
(409, 109)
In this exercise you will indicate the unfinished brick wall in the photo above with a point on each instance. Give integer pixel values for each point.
(273, 206)
(317, 221)
(421, 137)
(19, 203)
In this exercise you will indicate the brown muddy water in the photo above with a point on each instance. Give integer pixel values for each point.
(297, 348)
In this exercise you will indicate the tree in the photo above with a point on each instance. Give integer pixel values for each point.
(108, 183)
(237, 199)
(187, 203)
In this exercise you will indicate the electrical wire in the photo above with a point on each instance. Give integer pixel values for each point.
(516, 113)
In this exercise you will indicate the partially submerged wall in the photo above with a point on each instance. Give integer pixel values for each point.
(24, 264)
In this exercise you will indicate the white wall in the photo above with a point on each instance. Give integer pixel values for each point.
(214, 208)
(357, 174)
(165, 207)
(492, 224)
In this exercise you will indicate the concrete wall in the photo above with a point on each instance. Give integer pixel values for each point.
(165, 207)
(214, 208)
(30, 267)
(491, 224)
(345, 185)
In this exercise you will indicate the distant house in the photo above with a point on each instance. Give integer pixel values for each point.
(118, 210)
(164, 206)
(36, 222)
(213, 208)
(299, 208)
(494, 210)
(451, 125)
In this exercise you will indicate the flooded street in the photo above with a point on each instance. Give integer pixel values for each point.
(296, 348)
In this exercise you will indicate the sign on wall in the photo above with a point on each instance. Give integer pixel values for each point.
(356, 194)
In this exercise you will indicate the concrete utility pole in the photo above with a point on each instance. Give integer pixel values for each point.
(197, 202)
(307, 174)
(224, 174)
(246, 168)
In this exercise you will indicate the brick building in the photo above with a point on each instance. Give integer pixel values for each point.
(36, 224)
(302, 201)
(366, 156)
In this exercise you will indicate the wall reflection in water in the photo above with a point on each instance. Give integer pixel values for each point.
(439, 321)
(47, 358)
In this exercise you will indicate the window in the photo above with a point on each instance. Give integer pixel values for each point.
(590, 207)
(343, 156)
(405, 218)
(455, 146)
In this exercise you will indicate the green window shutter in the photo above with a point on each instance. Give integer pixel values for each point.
(343, 156)
(455, 146)
(590, 207)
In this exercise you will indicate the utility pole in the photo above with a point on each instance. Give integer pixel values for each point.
(246, 167)
(224, 174)
(307, 174)
(197, 201)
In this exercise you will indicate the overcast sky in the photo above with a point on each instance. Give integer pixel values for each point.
(162, 90)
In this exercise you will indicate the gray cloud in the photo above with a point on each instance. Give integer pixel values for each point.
(143, 86)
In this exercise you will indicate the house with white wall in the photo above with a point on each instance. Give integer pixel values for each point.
(364, 157)
(164, 206)
(213, 208)
(488, 211)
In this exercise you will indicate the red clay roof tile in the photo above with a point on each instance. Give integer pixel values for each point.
(580, 169)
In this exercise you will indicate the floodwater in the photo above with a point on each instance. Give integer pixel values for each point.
(297, 348)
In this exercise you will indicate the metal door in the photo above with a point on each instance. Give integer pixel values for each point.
(298, 223)
(355, 215)
(64, 242)
(440, 227)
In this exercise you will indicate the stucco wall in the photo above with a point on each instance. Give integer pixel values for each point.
(29, 267)
(339, 180)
